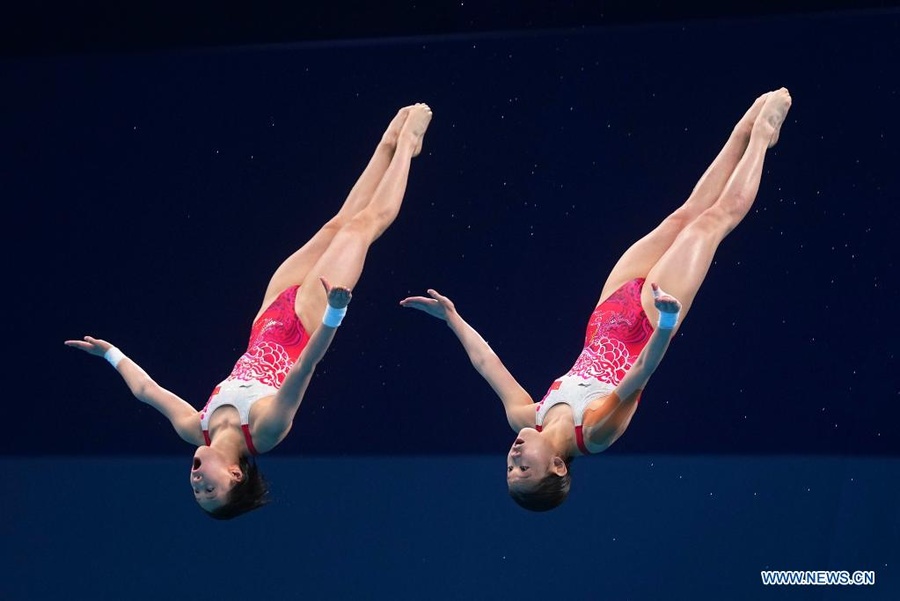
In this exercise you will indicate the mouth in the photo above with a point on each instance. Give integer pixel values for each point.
(519, 441)
(196, 464)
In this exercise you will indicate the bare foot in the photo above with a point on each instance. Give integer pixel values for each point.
(393, 129)
(773, 113)
(417, 121)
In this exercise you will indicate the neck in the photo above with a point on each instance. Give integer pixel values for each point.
(229, 442)
(561, 437)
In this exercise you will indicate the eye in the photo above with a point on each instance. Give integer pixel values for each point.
(523, 468)
(210, 489)
(508, 468)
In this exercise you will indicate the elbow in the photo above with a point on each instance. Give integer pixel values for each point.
(304, 367)
(483, 361)
(142, 390)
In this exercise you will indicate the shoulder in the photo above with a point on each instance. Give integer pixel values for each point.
(522, 416)
(268, 425)
(189, 429)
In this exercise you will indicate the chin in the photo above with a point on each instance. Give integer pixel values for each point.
(203, 452)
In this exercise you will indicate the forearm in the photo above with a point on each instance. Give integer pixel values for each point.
(316, 347)
(146, 390)
(138, 381)
(478, 350)
(652, 355)
(298, 378)
(294, 386)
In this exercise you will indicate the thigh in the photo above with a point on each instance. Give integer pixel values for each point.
(341, 264)
(682, 269)
(640, 258)
(295, 269)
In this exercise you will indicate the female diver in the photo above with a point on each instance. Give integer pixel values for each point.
(589, 408)
(252, 410)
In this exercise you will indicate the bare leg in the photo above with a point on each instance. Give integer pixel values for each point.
(682, 268)
(295, 268)
(342, 262)
(637, 261)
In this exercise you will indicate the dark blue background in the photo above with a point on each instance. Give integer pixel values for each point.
(151, 191)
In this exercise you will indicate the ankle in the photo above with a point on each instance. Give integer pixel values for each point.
(743, 129)
(387, 143)
(407, 139)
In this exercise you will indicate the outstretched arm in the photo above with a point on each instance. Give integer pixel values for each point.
(184, 418)
(483, 358)
(274, 424)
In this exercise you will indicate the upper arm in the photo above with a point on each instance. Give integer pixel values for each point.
(183, 417)
(516, 401)
(275, 416)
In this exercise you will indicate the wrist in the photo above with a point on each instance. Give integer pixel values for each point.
(333, 317)
(114, 356)
(667, 321)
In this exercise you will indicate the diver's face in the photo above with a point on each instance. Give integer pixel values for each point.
(212, 478)
(529, 459)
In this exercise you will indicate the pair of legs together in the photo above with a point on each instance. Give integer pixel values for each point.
(677, 254)
(338, 250)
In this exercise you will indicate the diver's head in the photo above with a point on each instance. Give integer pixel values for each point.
(538, 478)
(226, 488)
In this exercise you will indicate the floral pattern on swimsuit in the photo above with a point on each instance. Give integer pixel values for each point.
(617, 332)
(276, 340)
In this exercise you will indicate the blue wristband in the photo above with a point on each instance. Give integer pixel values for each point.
(667, 321)
(333, 317)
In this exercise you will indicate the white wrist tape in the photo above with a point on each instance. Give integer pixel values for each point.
(113, 355)
(333, 317)
(667, 321)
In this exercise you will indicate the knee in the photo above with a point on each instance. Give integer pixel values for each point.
(717, 220)
(362, 225)
(361, 222)
(372, 220)
(680, 218)
(334, 225)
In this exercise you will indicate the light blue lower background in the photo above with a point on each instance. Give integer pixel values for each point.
(635, 527)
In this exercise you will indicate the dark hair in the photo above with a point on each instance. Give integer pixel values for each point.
(549, 493)
(248, 494)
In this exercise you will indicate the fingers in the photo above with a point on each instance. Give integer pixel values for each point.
(328, 287)
(663, 299)
(412, 301)
(659, 293)
(88, 342)
(435, 297)
(81, 345)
